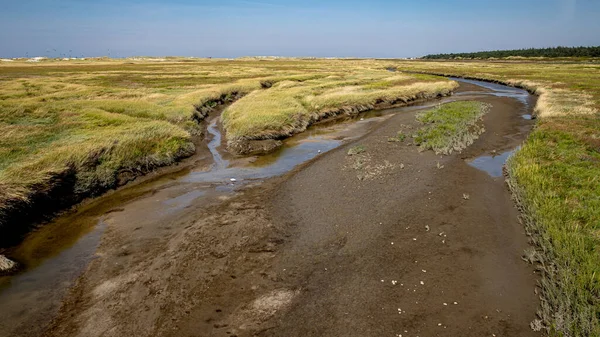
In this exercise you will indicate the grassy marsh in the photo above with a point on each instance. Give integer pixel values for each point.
(91, 120)
(95, 123)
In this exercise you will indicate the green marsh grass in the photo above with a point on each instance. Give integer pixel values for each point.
(450, 127)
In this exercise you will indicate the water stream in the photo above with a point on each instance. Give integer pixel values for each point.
(497, 90)
(493, 164)
(215, 142)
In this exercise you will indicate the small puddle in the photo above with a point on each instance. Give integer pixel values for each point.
(527, 116)
(492, 165)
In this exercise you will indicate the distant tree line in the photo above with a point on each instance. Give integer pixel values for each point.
(531, 52)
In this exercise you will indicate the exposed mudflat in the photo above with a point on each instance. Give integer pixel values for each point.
(432, 249)
(388, 242)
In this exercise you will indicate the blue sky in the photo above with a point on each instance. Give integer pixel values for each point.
(232, 28)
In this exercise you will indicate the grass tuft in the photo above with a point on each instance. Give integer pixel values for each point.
(399, 137)
(358, 149)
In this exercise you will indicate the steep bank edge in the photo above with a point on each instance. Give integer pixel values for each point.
(20, 216)
(246, 146)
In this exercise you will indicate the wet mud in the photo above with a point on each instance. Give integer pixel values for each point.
(305, 241)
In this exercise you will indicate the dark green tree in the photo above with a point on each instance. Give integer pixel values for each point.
(530, 52)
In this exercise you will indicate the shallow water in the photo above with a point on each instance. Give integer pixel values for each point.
(219, 162)
(498, 90)
(492, 164)
(285, 160)
(29, 298)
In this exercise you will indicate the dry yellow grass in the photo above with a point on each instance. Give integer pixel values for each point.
(289, 107)
(570, 88)
(86, 121)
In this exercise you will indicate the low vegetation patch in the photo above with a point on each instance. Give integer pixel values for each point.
(360, 161)
(399, 137)
(358, 149)
(451, 126)
(554, 177)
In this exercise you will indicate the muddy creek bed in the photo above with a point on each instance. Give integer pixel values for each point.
(306, 241)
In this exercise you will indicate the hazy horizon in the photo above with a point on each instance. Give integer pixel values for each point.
(383, 28)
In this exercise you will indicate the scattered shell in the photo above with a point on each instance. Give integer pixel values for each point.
(422, 283)
(233, 180)
(427, 228)
(536, 325)
(6, 265)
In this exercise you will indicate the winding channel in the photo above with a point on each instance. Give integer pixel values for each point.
(29, 299)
